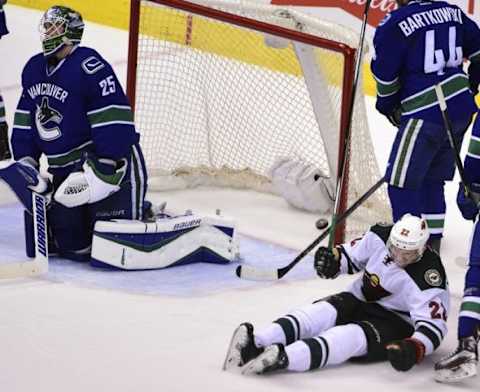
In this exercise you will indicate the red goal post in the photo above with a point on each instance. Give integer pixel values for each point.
(146, 29)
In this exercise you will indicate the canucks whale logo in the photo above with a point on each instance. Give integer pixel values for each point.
(47, 121)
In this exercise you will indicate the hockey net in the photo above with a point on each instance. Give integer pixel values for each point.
(222, 89)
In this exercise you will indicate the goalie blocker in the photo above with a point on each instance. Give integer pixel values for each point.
(165, 242)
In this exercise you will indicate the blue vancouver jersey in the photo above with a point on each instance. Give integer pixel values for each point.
(77, 106)
(3, 23)
(418, 46)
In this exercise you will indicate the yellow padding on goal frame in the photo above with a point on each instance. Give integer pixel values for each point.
(116, 13)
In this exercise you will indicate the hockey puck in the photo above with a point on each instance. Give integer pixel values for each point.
(321, 224)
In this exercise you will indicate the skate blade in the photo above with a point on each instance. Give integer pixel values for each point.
(233, 357)
(468, 370)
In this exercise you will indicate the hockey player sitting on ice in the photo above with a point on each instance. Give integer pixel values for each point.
(74, 112)
(397, 310)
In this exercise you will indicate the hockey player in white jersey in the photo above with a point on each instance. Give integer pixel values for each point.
(397, 310)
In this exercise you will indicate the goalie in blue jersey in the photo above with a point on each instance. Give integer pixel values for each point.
(419, 45)
(74, 112)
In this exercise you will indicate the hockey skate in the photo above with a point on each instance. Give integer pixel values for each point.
(460, 364)
(273, 358)
(242, 347)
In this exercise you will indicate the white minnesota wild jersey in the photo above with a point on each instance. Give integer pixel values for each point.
(418, 293)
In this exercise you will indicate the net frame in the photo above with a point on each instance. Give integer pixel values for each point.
(347, 51)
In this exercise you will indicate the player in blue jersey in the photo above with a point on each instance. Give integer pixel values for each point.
(419, 45)
(462, 363)
(4, 149)
(74, 112)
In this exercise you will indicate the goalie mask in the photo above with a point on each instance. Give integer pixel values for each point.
(59, 27)
(408, 240)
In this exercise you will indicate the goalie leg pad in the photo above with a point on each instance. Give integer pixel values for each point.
(135, 245)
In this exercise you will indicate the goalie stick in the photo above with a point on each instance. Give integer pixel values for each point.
(39, 265)
(254, 273)
(456, 150)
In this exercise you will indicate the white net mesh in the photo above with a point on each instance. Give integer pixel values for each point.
(217, 104)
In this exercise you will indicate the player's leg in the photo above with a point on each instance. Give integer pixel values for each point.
(433, 210)
(71, 231)
(302, 323)
(361, 340)
(462, 363)
(420, 160)
(4, 146)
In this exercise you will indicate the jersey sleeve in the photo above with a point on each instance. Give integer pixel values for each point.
(355, 254)
(389, 50)
(24, 143)
(429, 309)
(472, 50)
(108, 110)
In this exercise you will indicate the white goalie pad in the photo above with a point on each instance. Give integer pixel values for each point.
(168, 241)
(302, 185)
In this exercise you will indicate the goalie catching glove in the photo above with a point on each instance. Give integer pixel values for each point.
(302, 185)
(99, 179)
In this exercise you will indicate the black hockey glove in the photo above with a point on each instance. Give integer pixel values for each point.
(394, 117)
(327, 262)
(403, 354)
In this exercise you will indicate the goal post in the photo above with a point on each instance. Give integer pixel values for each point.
(222, 89)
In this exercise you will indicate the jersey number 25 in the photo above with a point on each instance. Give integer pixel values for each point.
(435, 59)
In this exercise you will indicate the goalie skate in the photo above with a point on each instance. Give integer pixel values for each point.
(242, 347)
(273, 358)
(460, 364)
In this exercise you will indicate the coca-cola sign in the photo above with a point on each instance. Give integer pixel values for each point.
(378, 8)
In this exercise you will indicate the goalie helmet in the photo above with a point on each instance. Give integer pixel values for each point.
(407, 240)
(59, 27)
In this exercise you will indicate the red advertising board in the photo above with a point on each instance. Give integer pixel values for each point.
(378, 8)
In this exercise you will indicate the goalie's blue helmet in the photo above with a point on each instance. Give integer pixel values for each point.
(60, 26)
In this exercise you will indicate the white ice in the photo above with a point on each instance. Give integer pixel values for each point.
(66, 337)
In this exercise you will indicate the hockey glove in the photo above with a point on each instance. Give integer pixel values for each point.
(96, 182)
(395, 117)
(466, 205)
(327, 262)
(404, 354)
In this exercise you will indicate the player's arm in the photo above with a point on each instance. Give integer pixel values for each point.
(471, 50)
(108, 111)
(113, 134)
(22, 175)
(429, 314)
(348, 258)
(387, 60)
(467, 205)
